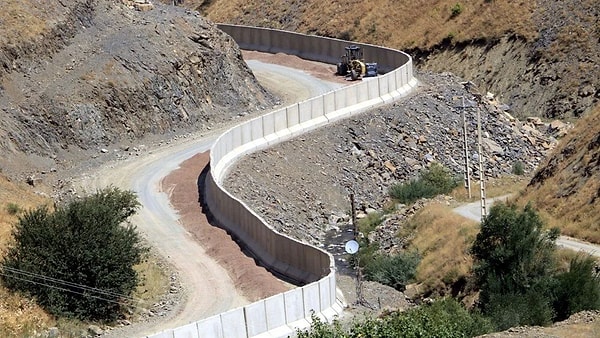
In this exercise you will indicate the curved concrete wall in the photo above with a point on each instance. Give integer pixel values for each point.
(280, 315)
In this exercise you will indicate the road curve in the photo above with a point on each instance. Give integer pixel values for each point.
(473, 211)
(208, 287)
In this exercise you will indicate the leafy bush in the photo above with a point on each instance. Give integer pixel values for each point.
(517, 168)
(578, 289)
(369, 223)
(433, 181)
(78, 260)
(442, 318)
(514, 262)
(395, 271)
(516, 271)
(456, 9)
(13, 208)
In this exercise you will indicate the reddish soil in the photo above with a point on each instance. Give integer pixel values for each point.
(254, 281)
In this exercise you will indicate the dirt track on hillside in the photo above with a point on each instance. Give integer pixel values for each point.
(255, 282)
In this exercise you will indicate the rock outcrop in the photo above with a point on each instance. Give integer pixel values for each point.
(101, 73)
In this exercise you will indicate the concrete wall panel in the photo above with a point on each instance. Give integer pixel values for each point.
(257, 129)
(294, 305)
(304, 109)
(325, 293)
(186, 331)
(311, 299)
(328, 103)
(275, 311)
(233, 323)
(317, 107)
(293, 115)
(362, 91)
(373, 89)
(210, 327)
(280, 120)
(256, 318)
(268, 124)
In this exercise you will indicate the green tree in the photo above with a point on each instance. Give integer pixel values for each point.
(78, 260)
(514, 266)
(578, 289)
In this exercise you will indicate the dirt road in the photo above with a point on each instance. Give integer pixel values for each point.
(473, 211)
(211, 275)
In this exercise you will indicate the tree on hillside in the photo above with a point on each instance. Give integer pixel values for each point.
(514, 266)
(77, 260)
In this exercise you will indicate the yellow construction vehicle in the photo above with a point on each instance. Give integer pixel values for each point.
(353, 66)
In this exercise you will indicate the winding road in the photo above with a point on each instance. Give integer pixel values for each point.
(473, 211)
(209, 289)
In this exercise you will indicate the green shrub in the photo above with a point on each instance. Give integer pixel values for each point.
(78, 260)
(369, 223)
(443, 318)
(395, 271)
(456, 9)
(13, 208)
(578, 289)
(434, 181)
(517, 168)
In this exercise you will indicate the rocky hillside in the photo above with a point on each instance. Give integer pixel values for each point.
(567, 184)
(540, 57)
(88, 74)
(369, 153)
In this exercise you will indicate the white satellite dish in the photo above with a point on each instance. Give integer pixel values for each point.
(351, 247)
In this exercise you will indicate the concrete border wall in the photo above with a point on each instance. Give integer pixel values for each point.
(282, 314)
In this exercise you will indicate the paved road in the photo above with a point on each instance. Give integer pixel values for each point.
(473, 211)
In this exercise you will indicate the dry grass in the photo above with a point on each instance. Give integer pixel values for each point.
(568, 191)
(22, 317)
(19, 316)
(400, 24)
(495, 187)
(22, 20)
(443, 238)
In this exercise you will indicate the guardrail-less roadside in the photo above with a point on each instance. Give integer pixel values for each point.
(280, 315)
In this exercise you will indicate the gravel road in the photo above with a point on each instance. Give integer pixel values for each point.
(473, 211)
(208, 287)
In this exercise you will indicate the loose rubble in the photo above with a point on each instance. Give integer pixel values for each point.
(302, 187)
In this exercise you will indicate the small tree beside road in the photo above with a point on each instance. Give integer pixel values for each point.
(518, 277)
(77, 260)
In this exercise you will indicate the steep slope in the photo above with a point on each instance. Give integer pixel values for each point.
(567, 184)
(540, 57)
(106, 73)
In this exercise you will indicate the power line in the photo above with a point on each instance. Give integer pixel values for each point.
(30, 277)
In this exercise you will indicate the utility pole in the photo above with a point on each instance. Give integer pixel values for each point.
(467, 175)
(359, 294)
(481, 172)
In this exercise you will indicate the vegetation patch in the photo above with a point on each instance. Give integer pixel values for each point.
(439, 232)
(78, 260)
(435, 180)
(442, 318)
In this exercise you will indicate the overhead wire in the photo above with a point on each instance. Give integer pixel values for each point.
(91, 291)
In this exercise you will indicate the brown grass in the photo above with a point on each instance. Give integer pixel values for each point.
(399, 24)
(494, 187)
(19, 316)
(20, 20)
(443, 238)
(568, 196)
(22, 317)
